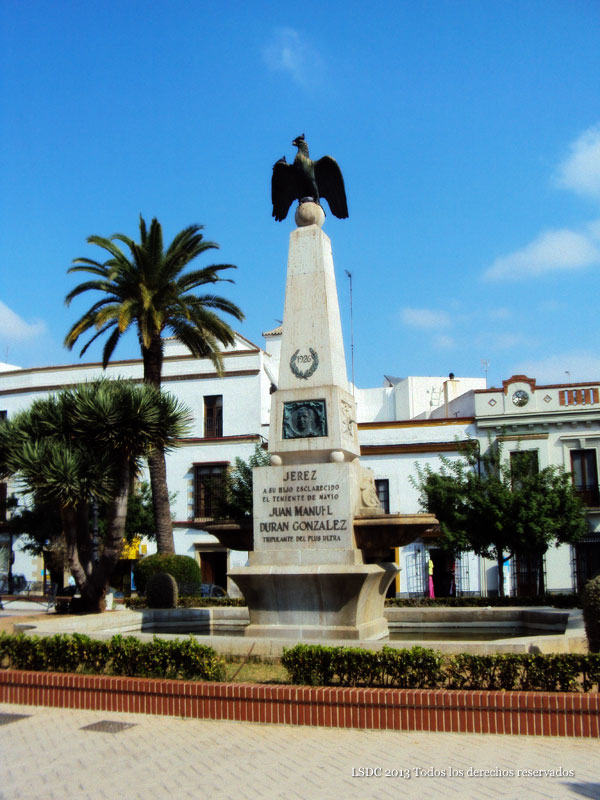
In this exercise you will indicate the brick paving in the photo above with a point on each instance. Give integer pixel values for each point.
(46, 754)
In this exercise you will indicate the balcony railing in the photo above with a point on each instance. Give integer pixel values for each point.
(590, 495)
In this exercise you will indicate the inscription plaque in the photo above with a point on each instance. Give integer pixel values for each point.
(297, 507)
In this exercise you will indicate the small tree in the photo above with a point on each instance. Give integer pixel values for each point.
(234, 501)
(83, 443)
(484, 505)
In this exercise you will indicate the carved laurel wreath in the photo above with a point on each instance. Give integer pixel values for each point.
(304, 374)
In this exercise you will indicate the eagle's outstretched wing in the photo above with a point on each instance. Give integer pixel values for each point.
(331, 185)
(284, 188)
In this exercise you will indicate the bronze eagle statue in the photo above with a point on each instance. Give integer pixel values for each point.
(307, 179)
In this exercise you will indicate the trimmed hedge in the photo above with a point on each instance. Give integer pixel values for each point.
(422, 668)
(161, 591)
(125, 656)
(184, 569)
(591, 613)
(312, 665)
(189, 601)
(554, 600)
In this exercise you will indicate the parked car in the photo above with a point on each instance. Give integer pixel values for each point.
(212, 590)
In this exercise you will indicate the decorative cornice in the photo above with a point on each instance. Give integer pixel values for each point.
(538, 386)
(413, 447)
(192, 376)
(518, 437)
(415, 423)
(237, 439)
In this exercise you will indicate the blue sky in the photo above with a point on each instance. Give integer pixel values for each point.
(468, 134)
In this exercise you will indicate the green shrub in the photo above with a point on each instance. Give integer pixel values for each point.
(161, 591)
(127, 656)
(591, 613)
(554, 600)
(423, 668)
(59, 653)
(163, 658)
(189, 601)
(184, 569)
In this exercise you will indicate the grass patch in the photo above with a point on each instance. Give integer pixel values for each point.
(255, 671)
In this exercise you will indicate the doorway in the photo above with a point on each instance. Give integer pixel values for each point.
(213, 565)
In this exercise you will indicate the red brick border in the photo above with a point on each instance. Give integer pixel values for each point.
(532, 713)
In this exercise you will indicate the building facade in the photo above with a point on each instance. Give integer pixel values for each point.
(557, 425)
(230, 417)
(404, 423)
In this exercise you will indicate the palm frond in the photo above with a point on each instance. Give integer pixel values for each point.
(151, 288)
(111, 343)
(200, 277)
(96, 336)
(220, 303)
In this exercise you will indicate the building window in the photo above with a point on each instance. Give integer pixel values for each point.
(528, 572)
(3, 486)
(524, 462)
(578, 397)
(209, 484)
(382, 485)
(587, 559)
(213, 415)
(585, 476)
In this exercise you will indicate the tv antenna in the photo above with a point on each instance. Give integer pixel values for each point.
(485, 365)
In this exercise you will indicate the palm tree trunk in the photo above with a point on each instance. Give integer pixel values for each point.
(116, 518)
(160, 501)
(69, 519)
(84, 539)
(54, 560)
(157, 466)
(94, 581)
(500, 571)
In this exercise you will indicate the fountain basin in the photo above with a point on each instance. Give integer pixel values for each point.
(222, 628)
(374, 533)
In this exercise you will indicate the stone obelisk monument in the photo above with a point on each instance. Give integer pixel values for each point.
(306, 577)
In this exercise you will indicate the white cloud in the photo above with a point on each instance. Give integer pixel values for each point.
(444, 342)
(552, 251)
(424, 318)
(506, 341)
(552, 306)
(288, 52)
(594, 229)
(500, 313)
(14, 329)
(570, 367)
(580, 171)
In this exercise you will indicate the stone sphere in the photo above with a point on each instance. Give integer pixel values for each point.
(336, 456)
(309, 214)
(276, 461)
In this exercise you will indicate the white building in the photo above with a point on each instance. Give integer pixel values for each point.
(231, 415)
(404, 422)
(560, 423)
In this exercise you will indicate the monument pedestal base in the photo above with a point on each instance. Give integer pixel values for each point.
(316, 602)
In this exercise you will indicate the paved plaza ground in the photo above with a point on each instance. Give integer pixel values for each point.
(48, 753)
(55, 753)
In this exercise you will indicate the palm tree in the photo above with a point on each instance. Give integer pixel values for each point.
(148, 289)
(87, 442)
